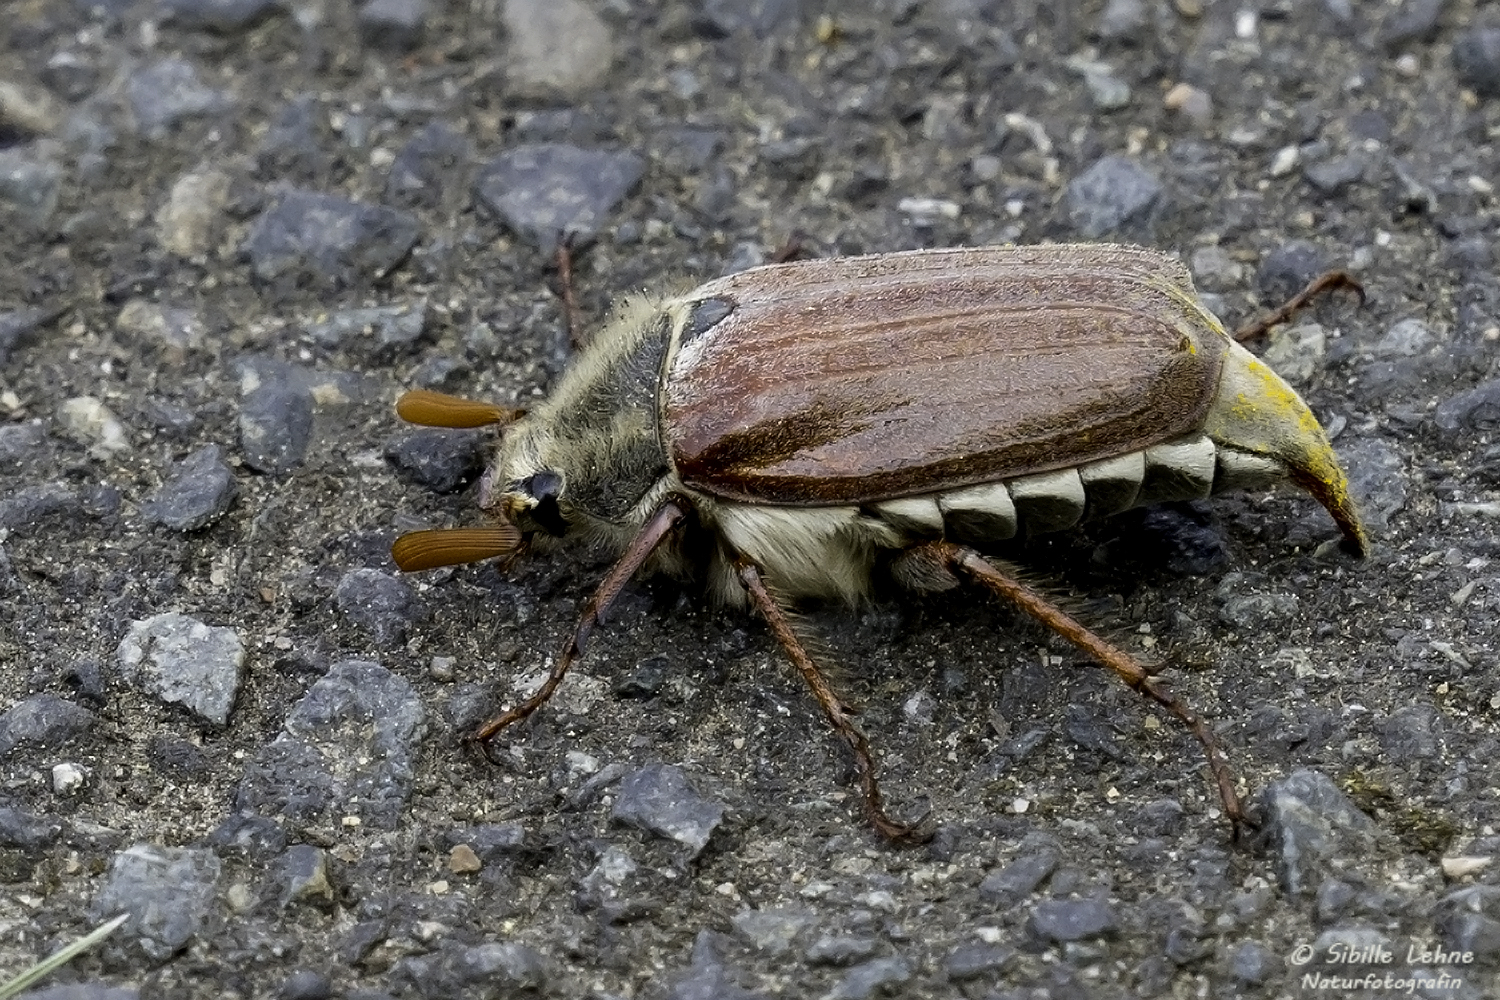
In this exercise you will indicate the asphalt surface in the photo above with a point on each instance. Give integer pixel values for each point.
(234, 231)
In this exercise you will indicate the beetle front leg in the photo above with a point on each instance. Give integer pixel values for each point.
(905, 834)
(652, 535)
(948, 556)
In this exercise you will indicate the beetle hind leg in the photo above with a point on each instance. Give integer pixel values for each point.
(905, 834)
(968, 562)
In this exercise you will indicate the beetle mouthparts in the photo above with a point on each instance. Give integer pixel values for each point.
(436, 409)
(418, 550)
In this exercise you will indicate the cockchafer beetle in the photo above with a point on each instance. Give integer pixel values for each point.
(795, 430)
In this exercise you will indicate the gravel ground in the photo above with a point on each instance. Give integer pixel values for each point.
(236, 229)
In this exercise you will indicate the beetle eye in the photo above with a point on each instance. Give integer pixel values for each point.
(545, 487)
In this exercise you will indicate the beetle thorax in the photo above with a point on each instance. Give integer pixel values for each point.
(592, 451)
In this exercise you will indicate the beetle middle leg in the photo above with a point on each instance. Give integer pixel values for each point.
(952, 557)
(910, 834)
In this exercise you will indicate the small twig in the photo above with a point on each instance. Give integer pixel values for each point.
(1326, 282)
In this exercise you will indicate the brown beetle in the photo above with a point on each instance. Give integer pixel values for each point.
(794, 430)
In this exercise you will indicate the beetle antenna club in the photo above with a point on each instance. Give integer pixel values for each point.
(794, 431)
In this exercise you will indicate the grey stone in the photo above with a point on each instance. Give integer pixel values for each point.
(276, 418)
(1412, 733)
(659, 799)
(1287, 270)
(1409, 22)
(384, 606)
(347, 749)
(492, 842)
(29, 185)
(708, 978)
(645, 679)
(42, 722)
(547, 189)
(1251, 611)
(841, 949)
(1115, 195)
(303, 874)
(775, 930)
(970, 961)
(81, 991)
(556, 47)
(1296, 352)
(250, 836)
(306, 984)
(1311, 825)
(20, 442)
(1251, 963)
(1377, 480)
(169, 92)
(1468, 920)
(758, 18)
(170, 326)
(309, 238)
(1477, 409)
(1476, 57)
(169, 892)
(1335, 174)
(1064, 920)
(1123, 20)
(295, 147)
(880, 976)
(1013, 883)
(382, 326)
(184, 662)
(196, 494)
(1406, 338)
(87, 420)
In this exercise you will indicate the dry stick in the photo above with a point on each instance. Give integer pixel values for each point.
(571, 315)
(655, 531)
(1122, 663)
(1326, 282)
(901, 833)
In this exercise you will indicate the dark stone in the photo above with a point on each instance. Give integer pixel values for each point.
(42, 722)
(1115, 195)
(312, 239)
(198, 491)
(219, 15)
(24, 830)
(1478, 409)
(429, 168)
(1064, 920)
(305, 984)
(276, 419)
(393, 25)
(384, 606)
(439, 459)
(545, 190)
(1476, 57)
